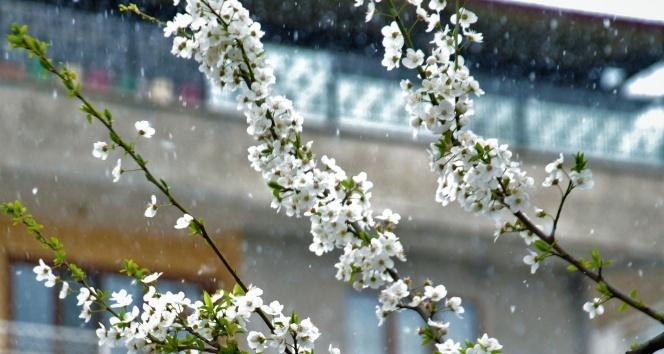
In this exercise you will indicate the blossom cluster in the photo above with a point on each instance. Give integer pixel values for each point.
(225, 41)
(479, 174)
(160, 319)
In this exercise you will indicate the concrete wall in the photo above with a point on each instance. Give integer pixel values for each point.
(46, 144)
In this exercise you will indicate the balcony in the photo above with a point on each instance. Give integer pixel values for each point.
(117, 56)
(33, 338)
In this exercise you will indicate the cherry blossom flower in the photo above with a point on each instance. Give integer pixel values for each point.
(64, 291)
(45, 274)
(532, 260)
(582, 180)
(437, 5)
(144, 129)
(436, 293)
(466, 18)
(413, 58)
(121, 299)
(257, 341)
(448, 347)
(454, 304)
(555, 172)
(594, 308)
(184, 221)
(151, 278)
(86, 311)
(152, 207)
(100, 150)
(491, 344)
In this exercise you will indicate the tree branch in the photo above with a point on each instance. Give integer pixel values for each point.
(650, 346)
(596, 277)
(106, 120)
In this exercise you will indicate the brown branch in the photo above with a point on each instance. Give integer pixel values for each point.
(160, 184)
(594, 276)
(650, 346)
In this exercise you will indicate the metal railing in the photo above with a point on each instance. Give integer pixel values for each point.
(34, 338)
(334, 86)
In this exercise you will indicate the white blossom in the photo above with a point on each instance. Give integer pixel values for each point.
(144, 129)
(594, 308)
(100, 150)
(532, 260)
(121, 299)
(64, 291)
(555, 172)
(151, 278)
(437, 5)
(448, 347)
(45, 274)
(435, 293)
(454, 304)
(582, 180)
(413, 58)
(152, 207)
(491, 344)
(257, 341)
(466, 18)
(183, 221)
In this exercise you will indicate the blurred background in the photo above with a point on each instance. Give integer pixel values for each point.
(559, 77)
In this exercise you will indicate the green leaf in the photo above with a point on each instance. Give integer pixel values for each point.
(132, 269)
(633, 294)
(295, 318)
(603, 289)
(348, 184)
(580, 162)
(542, 246)
(237, 290)
(207, 300)
(76, 272)
(108, 115)
(623, 307)
(572, 268)
(597, 259)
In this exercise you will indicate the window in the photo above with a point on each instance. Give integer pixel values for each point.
(363, 336)
(44, 324)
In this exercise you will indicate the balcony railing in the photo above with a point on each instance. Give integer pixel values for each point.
(134, 58)
(33, 338)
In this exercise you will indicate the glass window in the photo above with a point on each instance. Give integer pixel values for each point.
(363, 335)
(31, 303)
(408, 341)
(465, 327)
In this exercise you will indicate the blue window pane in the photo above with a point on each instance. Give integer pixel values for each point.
(363, 335)
(31, 302)
(116, 282)
(408, 341)
(463, 328)
(69, 311)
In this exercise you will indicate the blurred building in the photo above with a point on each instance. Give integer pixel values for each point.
(556, 82)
